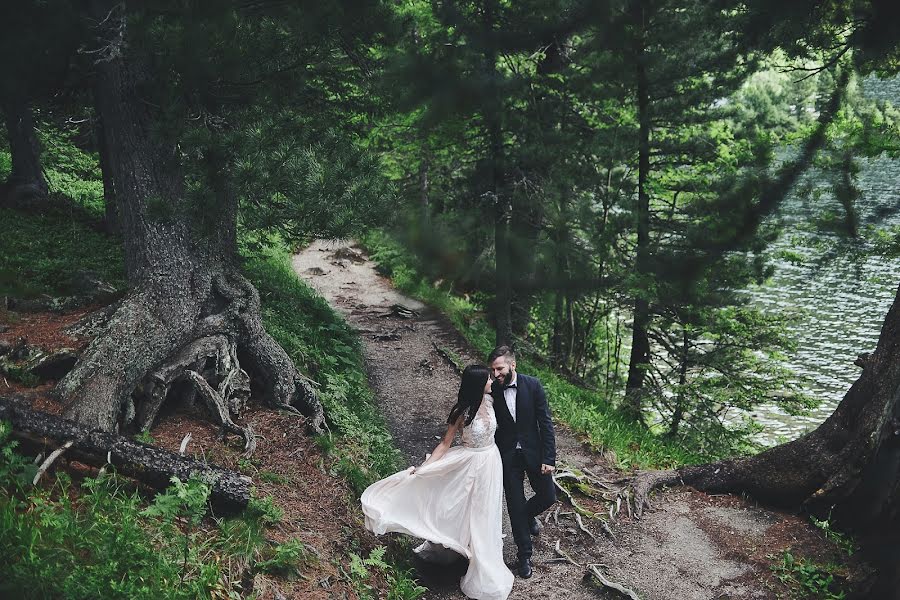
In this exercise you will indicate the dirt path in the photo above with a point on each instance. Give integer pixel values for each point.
(689, 546)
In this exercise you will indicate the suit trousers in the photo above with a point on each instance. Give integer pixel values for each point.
(521, 512)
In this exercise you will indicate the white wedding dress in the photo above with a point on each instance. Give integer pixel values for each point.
(455, 504)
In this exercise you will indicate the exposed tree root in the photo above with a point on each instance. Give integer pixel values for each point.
(50, 460)
(594, 570)
(583, 528)
(592, 486)
(184, 444)
(562, 554)
(151, 350)
(217, 407)
(646, 482)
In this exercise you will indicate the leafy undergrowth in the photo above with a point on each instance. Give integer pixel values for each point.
(805, 579)
(586, 411)
(101, 539)
(45, 253)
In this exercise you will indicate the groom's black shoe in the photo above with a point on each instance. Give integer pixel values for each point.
(525, 569)
(535, 527)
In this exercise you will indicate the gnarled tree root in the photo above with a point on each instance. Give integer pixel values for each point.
(160, 340)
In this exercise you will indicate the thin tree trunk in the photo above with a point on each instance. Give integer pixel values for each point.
(588, 330)
(111, 211)
(640, 343)
(569, 331)
(502, 206)
(556, 339)
(678, 413)
(424, 208)
(26, 186)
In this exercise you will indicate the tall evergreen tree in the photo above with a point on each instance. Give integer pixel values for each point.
(183, 159)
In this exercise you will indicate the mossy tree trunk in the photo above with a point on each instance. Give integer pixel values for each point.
(190, 323)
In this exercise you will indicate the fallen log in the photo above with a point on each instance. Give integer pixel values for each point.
(154, 467)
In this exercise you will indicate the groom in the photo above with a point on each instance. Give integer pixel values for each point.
(527, 446)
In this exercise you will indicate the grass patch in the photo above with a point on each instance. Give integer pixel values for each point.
(41, 253)
(585, 411)
(105, 542)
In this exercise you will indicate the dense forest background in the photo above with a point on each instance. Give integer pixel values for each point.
(602, 185)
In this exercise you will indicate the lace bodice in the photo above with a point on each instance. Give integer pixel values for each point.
(480, 432)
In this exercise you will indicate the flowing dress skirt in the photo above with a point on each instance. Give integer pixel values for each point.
(454, 503)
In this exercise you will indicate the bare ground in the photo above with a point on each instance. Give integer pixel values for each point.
(689, 546)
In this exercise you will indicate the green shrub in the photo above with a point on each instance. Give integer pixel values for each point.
(103, 545)
(286, 559)
(402, 584)
(806, 579)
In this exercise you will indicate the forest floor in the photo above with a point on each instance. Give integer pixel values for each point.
(688, 546)
(319, 508)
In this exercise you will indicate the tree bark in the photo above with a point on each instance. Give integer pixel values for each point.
(26, 186)
(640, 343)
(502, 205)
(180, 259)
(230, 491)
(848, 467)
(111, 212)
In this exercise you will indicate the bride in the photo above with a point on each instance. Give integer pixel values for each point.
(453, 500)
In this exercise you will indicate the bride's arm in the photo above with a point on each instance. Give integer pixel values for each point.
(445, 443)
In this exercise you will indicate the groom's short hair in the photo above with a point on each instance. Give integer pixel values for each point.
(499, 351)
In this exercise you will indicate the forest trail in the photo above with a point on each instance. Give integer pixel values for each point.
(688, 546)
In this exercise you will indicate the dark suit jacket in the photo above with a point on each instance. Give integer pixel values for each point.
(533, 427)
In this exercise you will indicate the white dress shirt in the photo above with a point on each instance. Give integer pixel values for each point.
(509, 394)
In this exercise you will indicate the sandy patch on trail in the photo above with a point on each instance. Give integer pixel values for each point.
(688, 546)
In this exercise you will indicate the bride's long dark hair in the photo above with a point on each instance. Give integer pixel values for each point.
(471, 391)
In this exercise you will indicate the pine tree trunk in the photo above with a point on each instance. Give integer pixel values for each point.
(640, 343)
(190, 313)
(424, 207)
(111, 212)
(503, 296)
(26, 186)
(556, 351)
(849, 466)
(502, 206)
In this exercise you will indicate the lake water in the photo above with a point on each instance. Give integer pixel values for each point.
(840, 291)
